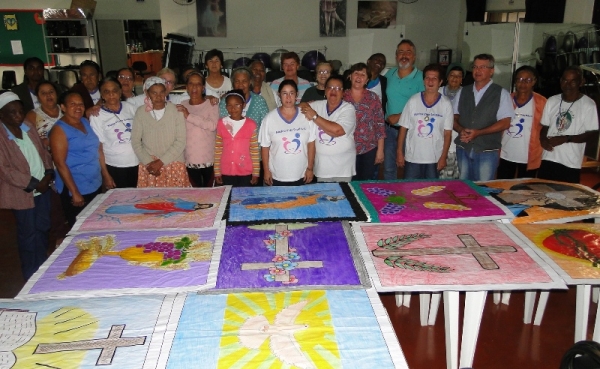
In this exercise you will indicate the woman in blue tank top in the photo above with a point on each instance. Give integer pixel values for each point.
(76, 154)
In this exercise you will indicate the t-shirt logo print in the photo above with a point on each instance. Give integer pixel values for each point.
(326, 139)
(124, 136)
(563, 121)
(425, 128)
(518, 127)
(293, 146)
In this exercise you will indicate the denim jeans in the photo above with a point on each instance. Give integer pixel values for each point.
(390, 169)
(420, 171)
(477, 166)
(33, 226)
(365, 166)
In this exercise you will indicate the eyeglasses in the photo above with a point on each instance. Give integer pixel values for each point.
(482, 67)
(334, 88)
(169, 83)
(127, 78)
(323, 72)
(524, 80)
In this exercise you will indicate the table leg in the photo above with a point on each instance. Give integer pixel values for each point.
(529, 302)
(406, 299)
(505, 297)
(582, 310)
(451, 324)
(539, 313)
(433, 307)
(424, 298)
(497, 297)
(398, 296)
(474, 304)
(596, 336)
(402, 299)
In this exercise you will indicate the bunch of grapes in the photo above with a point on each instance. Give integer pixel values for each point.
(380, 191)
(173, 252)
(391, 209)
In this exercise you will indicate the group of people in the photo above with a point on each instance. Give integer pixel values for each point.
(243, 131)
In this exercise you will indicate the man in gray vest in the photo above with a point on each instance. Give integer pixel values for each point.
(481, 113)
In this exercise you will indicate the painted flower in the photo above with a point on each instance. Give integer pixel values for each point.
(292, 256)
(286, 265)
(276, 271)
(279, 258)
(293, 279)
(285, 233)
(269, 278)
(291, 249)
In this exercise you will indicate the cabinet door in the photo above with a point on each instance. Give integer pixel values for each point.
(111, 44)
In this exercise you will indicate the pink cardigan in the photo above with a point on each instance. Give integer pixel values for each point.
(237, 156)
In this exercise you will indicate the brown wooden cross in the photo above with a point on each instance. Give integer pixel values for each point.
(480, 253)
(108, 345)
(282, 248)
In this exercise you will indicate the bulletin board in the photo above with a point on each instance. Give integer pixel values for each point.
(29, 31)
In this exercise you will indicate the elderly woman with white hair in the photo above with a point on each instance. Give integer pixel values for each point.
(256, 107)
(158, 138)
(26, 171)
(170, 78)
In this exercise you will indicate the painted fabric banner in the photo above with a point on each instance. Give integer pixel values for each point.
(293, 329)
(118, 333)
(414, 201)
(573, 249)
(314, 202)
(154, 208)
(538, 200)
(463, 257)
(288, 256)
(117, 263)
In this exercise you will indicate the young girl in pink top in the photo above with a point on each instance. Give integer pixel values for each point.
(236, 148)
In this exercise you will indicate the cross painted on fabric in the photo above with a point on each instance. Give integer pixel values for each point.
(449, 194)
(108, 345)
(471, 246)
(282, 248)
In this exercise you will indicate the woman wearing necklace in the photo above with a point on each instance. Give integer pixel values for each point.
(201, 119)
(454, 78)
(216, 83)
(158, 138)
(77, 156)
(426, 124)
(568, 121)
(521, 152)
(369, 135)
(335, 122)
(113, 126)
(48, 113)
(287, 142)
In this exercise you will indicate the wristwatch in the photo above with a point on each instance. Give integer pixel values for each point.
(314, 119)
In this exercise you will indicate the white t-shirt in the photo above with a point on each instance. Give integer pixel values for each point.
(515, 140)
(114, 132)
(233, 126)
(336, 156)
(95, 96)
(287, 143)
(580, 117)
(443, 90)
(426, 126)
(36, 102)
(377, 89)
(219, 91)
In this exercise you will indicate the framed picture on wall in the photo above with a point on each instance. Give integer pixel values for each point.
(376, 14)
(212, 18)
(444, 56)
(332, 18)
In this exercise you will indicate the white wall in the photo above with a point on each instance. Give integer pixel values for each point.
(268, 24)
(504, 5)
(579, 11)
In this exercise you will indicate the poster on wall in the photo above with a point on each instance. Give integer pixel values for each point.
(332, 18)
(376, 14)
(212, 18)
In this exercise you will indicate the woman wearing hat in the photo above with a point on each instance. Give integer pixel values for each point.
(158, 138)
(25, 174)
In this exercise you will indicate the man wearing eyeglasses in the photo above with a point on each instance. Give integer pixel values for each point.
(482, 112)
(402, 82)
(568, 121)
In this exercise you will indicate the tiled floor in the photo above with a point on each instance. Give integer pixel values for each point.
(504, 341)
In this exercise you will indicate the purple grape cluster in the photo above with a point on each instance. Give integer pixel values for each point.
(391, 209)
(167, 248)
(380, 191)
